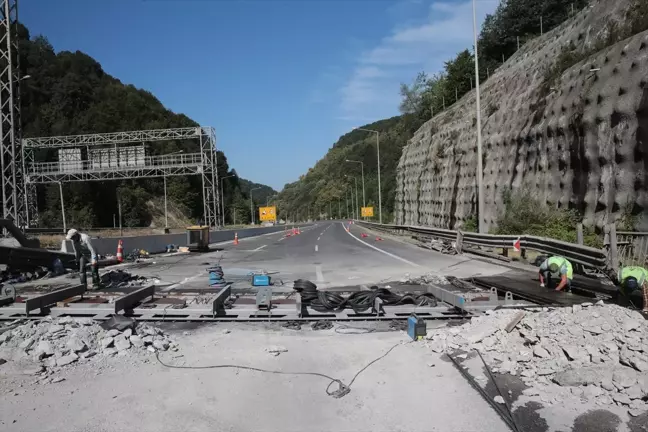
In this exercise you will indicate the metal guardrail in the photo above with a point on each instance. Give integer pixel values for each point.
(632, 247)
(575, 253)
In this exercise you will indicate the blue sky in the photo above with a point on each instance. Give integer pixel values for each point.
(280, 80)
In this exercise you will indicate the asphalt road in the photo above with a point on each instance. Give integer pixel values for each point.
(324, 253)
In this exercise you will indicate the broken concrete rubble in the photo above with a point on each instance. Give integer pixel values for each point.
(57, 343)
(598, 354)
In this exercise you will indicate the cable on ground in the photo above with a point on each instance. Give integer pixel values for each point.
(342, 390)
(360, 301)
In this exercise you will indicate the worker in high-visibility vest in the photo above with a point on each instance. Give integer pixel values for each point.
(632, 279)
(556, 267)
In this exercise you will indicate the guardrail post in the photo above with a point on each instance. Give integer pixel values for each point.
(579, 239)
(459, 242)
(579, 233)
(611, 243)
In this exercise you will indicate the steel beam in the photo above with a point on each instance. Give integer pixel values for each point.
(43, 302)
(127, 302)
(218, 305)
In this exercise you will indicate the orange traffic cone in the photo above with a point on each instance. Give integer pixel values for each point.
(378, 239)
(294, 231)
(235, 238)
(364, 235)
(120, 251)
(298, 232)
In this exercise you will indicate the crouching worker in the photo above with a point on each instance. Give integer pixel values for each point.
(555, 268)
(83, 248)
(634, 283)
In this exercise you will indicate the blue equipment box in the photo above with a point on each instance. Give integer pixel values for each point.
(260, 280)
(416, 327)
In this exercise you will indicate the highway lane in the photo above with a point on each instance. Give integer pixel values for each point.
(324, 253)
(328, 255)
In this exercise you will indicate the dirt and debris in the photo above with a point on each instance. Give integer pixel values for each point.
(48, 346)
(121, 279)
(593, 355)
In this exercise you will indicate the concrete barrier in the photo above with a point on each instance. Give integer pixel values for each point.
(157, 243)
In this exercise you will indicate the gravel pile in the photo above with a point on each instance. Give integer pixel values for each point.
(595, 353)
(57, 343)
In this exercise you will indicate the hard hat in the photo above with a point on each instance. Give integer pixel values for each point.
(553, 268)
(71, 233)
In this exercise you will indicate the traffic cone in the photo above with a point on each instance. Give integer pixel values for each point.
(235, 238)
(294, 231)
(120, 251)
(298, 232)
(378, 239)
(364, 235)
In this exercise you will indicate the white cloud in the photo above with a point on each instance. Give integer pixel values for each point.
(372, 88)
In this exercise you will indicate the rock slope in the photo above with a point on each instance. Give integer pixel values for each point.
(579, 141)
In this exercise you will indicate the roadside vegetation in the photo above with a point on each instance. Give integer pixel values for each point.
(525, 214)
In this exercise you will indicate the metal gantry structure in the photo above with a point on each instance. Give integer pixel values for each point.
(121, 155)
(14, 199)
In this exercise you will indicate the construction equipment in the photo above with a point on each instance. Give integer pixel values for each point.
(416, 327)
(198, 238)
(260, 280)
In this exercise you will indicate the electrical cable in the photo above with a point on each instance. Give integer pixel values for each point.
(343, 389)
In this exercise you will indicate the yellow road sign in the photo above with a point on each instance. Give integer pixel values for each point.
(367, 212)
(268, 213)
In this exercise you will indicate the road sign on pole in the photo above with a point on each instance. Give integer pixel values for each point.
(367, 212)
(268, 214)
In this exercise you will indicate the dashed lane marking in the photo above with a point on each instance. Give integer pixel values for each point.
(316, 248)
(318, 272)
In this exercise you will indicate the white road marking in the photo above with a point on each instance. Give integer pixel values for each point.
(259, 248)
(318, 272)
(318, 238)
(382, 251)
(316, 248)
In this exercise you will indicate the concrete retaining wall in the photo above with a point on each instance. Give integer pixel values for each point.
(157, 243)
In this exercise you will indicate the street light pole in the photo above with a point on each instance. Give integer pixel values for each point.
(364, 200)
(355, 208)
(377, 163)
(223, 197)
(480, 168)
(251, 206)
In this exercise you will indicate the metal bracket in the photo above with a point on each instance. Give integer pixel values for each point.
(378, 307)
(127, 302)
(264, 298)
(302, 310)
(218, 305)
(508, 297)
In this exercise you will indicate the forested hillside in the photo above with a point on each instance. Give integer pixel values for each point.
(69, 93)
(514, 21)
